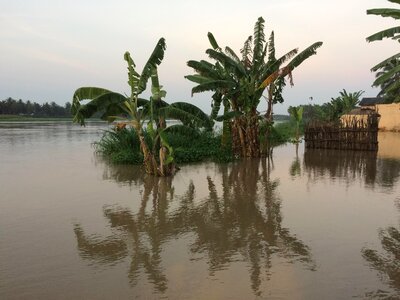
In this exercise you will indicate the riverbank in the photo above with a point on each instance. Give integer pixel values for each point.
(17, 118)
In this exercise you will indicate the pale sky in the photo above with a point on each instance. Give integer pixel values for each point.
(49, 48)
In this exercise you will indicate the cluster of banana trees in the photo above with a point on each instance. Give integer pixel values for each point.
(239, 82)
(140, 113)
(388, 71)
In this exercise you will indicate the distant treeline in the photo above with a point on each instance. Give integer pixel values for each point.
(281, 117)
(18, 107)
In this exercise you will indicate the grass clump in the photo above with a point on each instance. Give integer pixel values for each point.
(122, 147)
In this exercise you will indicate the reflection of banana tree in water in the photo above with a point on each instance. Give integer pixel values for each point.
(244, 221)
(122, 174)
(388, 263)
(139, 236)
(388, 171)
(295, 167)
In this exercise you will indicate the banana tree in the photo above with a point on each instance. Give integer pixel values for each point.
(238, 84)
(297, 114)
(387, 78)
(388, 71)
(142, 114)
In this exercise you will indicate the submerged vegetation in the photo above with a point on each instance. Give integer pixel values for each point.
(142, 134)
(158, 154)
(123, 146)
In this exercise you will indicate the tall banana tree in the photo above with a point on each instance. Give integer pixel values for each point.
(388, 71)
(238, 84)
(138, 112)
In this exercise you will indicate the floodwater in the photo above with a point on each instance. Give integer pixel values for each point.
(300, 225)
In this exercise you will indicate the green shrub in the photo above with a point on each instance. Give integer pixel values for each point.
(283, 132)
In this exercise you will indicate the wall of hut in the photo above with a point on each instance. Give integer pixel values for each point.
(390, 116)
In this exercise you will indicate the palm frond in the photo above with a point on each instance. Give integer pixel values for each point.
(216, 104)
(187, 113)
(111, 102)
(142, 102)
(274, 76)
(264, 54)
(226, 61)
(85, 93)
(232, 54)
(213, 41)
(271, 48)
(198, 78)
(89, 93)
(213, 86)
(387, 33)
(154, 60)
(156, 89)
(385, 12)
(204, 68)
(246, 52)
(228, 116)
(259, 40)
(270, 68)
(182, 130)
(393, 87)
(303, 55)
(133, 76)
(113, 112)
(385, 62)
(386, 76)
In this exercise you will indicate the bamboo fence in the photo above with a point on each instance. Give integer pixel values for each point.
(352, 133)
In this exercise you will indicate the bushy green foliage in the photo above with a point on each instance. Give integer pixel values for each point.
(122, 147)
(284, 132)
(388, 71)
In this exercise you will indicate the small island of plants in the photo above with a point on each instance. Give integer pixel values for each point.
(142, 134)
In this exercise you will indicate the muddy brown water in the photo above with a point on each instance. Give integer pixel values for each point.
(305, 225)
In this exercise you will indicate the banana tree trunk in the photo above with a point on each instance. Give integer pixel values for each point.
(226, 129)
(149, 161)
(253, 139)
(238, 138)
(165, 169)
(246, 142)
(268, 114)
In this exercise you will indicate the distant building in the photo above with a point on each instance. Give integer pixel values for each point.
(389, 113)
(371, 102)
(359, 114)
